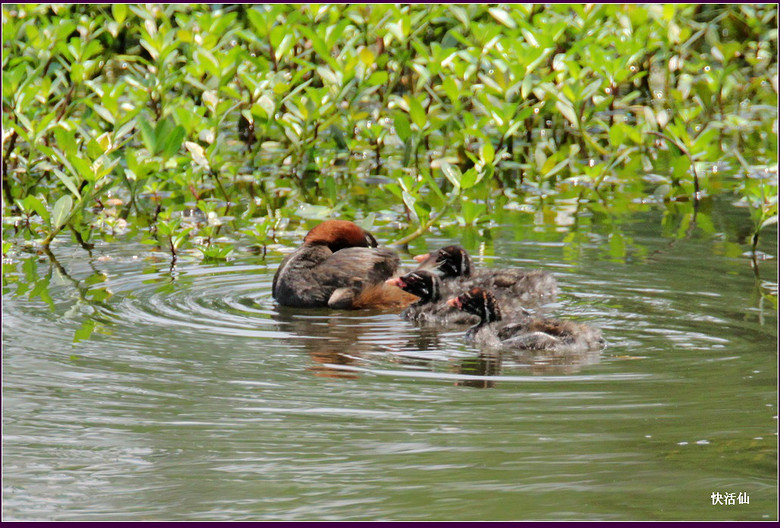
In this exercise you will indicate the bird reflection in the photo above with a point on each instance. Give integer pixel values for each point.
(330, 337)
(335, 339)
(486, 365)
(542, 362)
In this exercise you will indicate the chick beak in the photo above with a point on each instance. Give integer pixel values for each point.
(455, 301)
(396, 281)
(421, 258)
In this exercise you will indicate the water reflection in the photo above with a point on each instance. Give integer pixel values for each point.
(329, 338)
(479, 371)
(198, 380)
(337, 342)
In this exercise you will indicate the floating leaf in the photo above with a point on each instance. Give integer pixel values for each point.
(84, 331)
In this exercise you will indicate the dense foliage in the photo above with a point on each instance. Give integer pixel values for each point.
(219, 127)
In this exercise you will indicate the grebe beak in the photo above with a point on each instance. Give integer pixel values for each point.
(420, 258)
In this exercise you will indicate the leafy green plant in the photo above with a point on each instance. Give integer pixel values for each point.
(436, 114)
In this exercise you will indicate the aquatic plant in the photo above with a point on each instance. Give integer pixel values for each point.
(123, 120)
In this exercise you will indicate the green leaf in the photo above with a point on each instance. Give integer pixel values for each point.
(258, 22)
(452, 173)
(104, 113)
(680, 167)
(338, 137)
(65, 140)
(450, 88)
(410, 200)
(61, 211)
(77, 72)
(502, 16)
(198, 154)
(267, 105)
(147, 135)
(94, 150)
(328, 76)
(64, 178)
(161, 131)
(172, 142)
(550, 170)
(314, 212)
(417, 113)
(402, 127)
(487, 152)
(32, 203)
(469, 179)
(409, 147)
(568, 112)
(82, 167)
(119, 12)
(377, 78)
(471, 211)
(207, 60)
(540, 157)
(432, 185)
(769, 221)
(616, 135)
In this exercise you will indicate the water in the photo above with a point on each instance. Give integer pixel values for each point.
(192, 396)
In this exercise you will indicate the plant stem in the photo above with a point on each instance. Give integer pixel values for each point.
(690, 158)
(427, 225)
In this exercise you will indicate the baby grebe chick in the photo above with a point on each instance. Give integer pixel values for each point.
(454, 265)
(431, 307)
(521, 331)
(339, 266)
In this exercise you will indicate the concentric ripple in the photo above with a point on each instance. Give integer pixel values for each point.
(233, 301)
